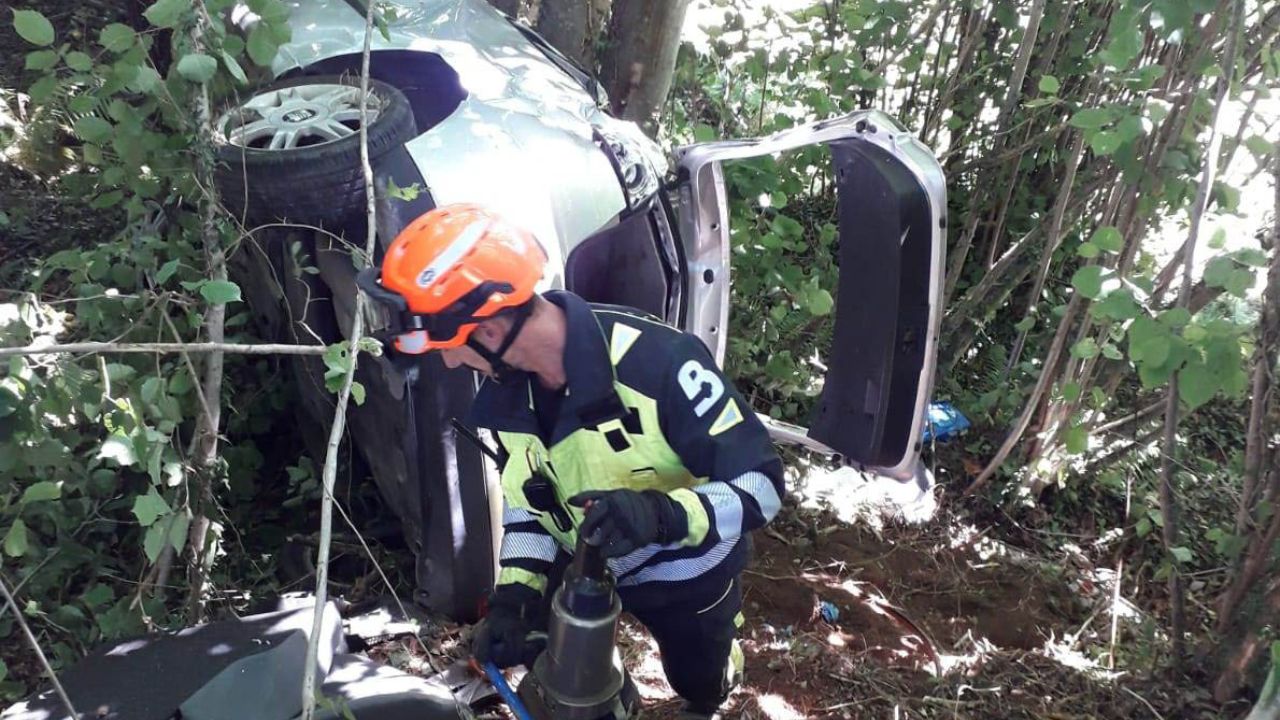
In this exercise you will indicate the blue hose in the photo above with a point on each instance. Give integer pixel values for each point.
(500, 684)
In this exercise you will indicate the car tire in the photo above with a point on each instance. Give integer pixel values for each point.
(291, 150)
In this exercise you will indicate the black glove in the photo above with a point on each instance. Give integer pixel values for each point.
(503, 634)
(620, 521)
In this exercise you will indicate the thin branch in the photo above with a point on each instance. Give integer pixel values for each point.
(1051, 246)
(329, 474)
(1042, 386)
(1142, 414)
(197, 347)
(35, 645)
(1168, 491)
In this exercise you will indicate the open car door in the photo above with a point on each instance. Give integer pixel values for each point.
(891, 200)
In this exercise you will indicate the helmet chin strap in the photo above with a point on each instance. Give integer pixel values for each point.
(500, 369)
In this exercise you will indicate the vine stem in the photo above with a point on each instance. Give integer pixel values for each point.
(330, 472)
(35, 645)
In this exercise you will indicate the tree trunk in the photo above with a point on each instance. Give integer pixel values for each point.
(510, 7)
(640, 57)
(566, 24)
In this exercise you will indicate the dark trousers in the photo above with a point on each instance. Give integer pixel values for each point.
(695, 633)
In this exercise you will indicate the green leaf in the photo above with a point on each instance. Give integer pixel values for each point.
(1076, 438)
(357, 392)
(15, 541)
(117, 37)
(1025, 324)
(4, 671)
(1088, 250)
(1105, 142)
(1226, 196)
(41, 491)
(1071, 392)
(148, 508)
(262, 45)
(166, 13)
(1143, 527)
(33, 27)
(178, 531)
(1197, 384)
(1181, 554)
(98, 595)
(1119, 304)
(43, 89)
(197, 67)
(818, 301)
(1217, 272)
(1088, 281)
(78, 61)
(220, 292)
(1239, 282)
(1259, 146)
(1126, 39)
(407, 194)
(1154, 350)
(234, 68)
(1253, 257)
(92, 128)
(42, 59)
(146, 81)
(703, 133)
(1092, 118)
(1108, 239)
(154, 541)
(1218, 240)
(1085, 349)
(166, 271)
(118, 448)
(1049, 85)
(1111, 352)
(1175, 317)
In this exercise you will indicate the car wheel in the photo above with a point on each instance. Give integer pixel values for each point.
(291, 150)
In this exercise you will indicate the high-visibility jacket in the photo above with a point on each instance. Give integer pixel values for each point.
(646, 408)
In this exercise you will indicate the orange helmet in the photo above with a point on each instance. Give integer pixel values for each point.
(450, 269)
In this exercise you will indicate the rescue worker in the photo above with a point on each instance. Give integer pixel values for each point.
(597, 406)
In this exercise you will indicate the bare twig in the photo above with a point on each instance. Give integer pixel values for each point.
(1144, 702)
(35, 646)
(195, 347)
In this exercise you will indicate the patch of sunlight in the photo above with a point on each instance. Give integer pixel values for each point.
(979, 649)
(1065, 653)
(775, 707)
(856, 496)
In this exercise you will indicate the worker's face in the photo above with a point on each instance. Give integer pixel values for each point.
(464, 356)
(489, 334)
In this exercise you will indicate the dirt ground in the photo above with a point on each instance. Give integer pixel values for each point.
(917, 624)
(921, 628)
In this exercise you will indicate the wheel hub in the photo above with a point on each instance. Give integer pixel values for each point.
(298, 116)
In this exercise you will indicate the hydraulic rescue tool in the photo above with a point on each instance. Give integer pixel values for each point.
(579, 676)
